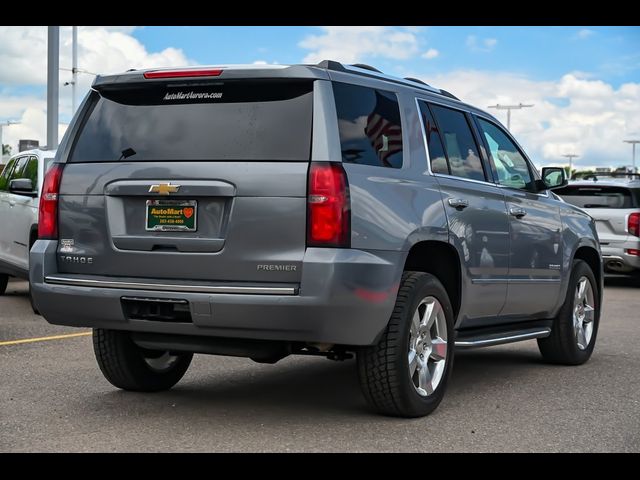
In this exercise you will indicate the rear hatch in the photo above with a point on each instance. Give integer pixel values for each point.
(189, 180)
(609, 205)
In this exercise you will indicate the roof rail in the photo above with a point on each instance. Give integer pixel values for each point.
(366, 67)
(374, 72)
(448, 94)
(417, 80)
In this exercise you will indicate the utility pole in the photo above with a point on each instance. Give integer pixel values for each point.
(74, 68)
(508, 108)
(2, 125)
(53, 78)
(633, 144)
(570, 156)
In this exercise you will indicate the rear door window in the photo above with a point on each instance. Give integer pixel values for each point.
(460, 146)
(437, 157)
(228, 121)
(598, 196)
(369, 125)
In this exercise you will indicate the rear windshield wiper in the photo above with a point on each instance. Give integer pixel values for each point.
(126, 153)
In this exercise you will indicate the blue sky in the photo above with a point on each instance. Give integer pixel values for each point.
(608, 53)
(583, 81)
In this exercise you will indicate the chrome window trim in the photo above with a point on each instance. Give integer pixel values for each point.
(166, 287)
(426, 146)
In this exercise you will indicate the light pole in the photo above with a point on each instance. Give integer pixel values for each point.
(53, 77)
(2, 125)
(508, 108)
(74, 67)
(570, 156)
(633, 144)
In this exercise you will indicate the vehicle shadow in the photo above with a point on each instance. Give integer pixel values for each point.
(319, 387)
(622, 281)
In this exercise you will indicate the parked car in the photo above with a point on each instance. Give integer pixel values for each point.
(20, 186)
(309, 209)
(613, 200)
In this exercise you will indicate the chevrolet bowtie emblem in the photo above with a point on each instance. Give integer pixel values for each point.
(164, 188)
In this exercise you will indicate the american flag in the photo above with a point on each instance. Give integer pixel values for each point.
(383, 128)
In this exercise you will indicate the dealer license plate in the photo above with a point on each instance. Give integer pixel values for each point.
(171, 215)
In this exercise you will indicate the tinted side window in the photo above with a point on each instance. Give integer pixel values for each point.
(31, 171)
(4, 178)
(18, 170)
(461, 148)
(437, 156)
(508, 162)
(369, 125)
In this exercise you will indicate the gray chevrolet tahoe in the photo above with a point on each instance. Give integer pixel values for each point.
(321, 209)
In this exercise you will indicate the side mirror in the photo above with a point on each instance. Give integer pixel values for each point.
(552, 177)
(22, 186)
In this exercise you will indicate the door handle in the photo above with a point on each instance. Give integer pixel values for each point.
(458, 203)
(12, 203)
(517, 212)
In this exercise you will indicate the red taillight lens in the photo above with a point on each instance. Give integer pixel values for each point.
(633, 251)
(48, 210)
(182, 73)
(329, 212)
(633, 224)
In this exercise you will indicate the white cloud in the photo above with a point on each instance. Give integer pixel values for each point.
(583, 34)
(476, 44)
(354, 44)
(103, 50)
(592, 119)
(430, 54)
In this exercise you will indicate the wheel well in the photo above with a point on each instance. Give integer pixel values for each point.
(440, 260)
(592, 257)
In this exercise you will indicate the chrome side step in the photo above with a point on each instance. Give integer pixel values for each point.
(488, 340)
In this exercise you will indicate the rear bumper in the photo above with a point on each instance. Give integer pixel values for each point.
(616, 259)
(345, 296)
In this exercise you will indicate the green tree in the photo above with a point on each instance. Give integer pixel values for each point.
(569, 173)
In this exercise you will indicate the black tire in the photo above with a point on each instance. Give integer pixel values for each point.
(384, 368)
(4, 279)
(125, 365)
(561, 346)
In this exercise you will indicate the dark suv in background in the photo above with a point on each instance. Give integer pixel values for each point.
(309, 209)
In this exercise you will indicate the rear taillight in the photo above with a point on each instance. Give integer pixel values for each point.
(48, 210)
(329, 209)
(183, 73)
(633, 251)
(633, 224)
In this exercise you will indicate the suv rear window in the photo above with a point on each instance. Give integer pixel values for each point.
(235, 120)
(598, 196)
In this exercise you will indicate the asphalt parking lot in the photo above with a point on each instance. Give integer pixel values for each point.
(54, 398)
